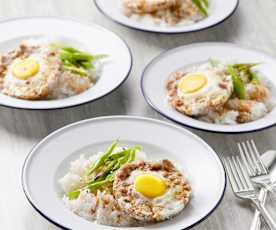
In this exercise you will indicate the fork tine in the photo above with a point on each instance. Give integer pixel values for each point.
(239, 173)
(250, 170)
(245, 174)
(249, 158)
(255, 148)
(230, 175)
(235, 174)
(264, 170)
(254, 157)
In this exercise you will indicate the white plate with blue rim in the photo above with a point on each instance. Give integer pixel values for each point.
(218, 11)
(90, 37)
(160, 68)
(50, 158)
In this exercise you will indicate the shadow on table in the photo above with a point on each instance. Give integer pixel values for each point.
(38, 124)
(226, 144)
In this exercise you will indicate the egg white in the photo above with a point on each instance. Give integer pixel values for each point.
(170, 205)
(20, 87)
(212, 85)
(198, 102)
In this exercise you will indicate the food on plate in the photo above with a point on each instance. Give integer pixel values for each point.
(119, 187)
(42, 70)
(221, 93)
(151, 191)
(169, 11)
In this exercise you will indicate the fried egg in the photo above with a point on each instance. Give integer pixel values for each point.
(26, 77)
(34, 71)
(151, 192)
(203, 90)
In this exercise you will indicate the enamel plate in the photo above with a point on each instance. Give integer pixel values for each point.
(218, 12)
(49, 160)
(159, 70)
(92, 38)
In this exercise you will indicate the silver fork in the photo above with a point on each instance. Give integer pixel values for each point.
(256, 169)
(252, 159)
(243, 188)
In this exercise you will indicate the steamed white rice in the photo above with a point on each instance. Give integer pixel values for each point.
(101, 207)
(257, 111)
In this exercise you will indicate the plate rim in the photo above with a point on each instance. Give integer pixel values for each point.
(167, 32)
(83, 22)
(28, 158)
(197, 44)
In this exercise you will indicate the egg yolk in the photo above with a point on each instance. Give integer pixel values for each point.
(150, 186)
(192, 83)
(25, 69)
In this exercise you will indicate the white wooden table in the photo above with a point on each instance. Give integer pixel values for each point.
(253, 25)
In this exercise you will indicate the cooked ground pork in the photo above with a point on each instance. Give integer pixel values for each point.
(51, 81)
(221, 109)
(169, 11)
(155, 209)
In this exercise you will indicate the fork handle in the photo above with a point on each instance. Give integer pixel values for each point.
(256, 222)
(266, 215)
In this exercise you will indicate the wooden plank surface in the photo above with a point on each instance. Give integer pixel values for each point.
(253, 25)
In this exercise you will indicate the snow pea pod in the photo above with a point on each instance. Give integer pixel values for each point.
(103, 158)
(201, 6)
(239, 88)
(73, 69)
